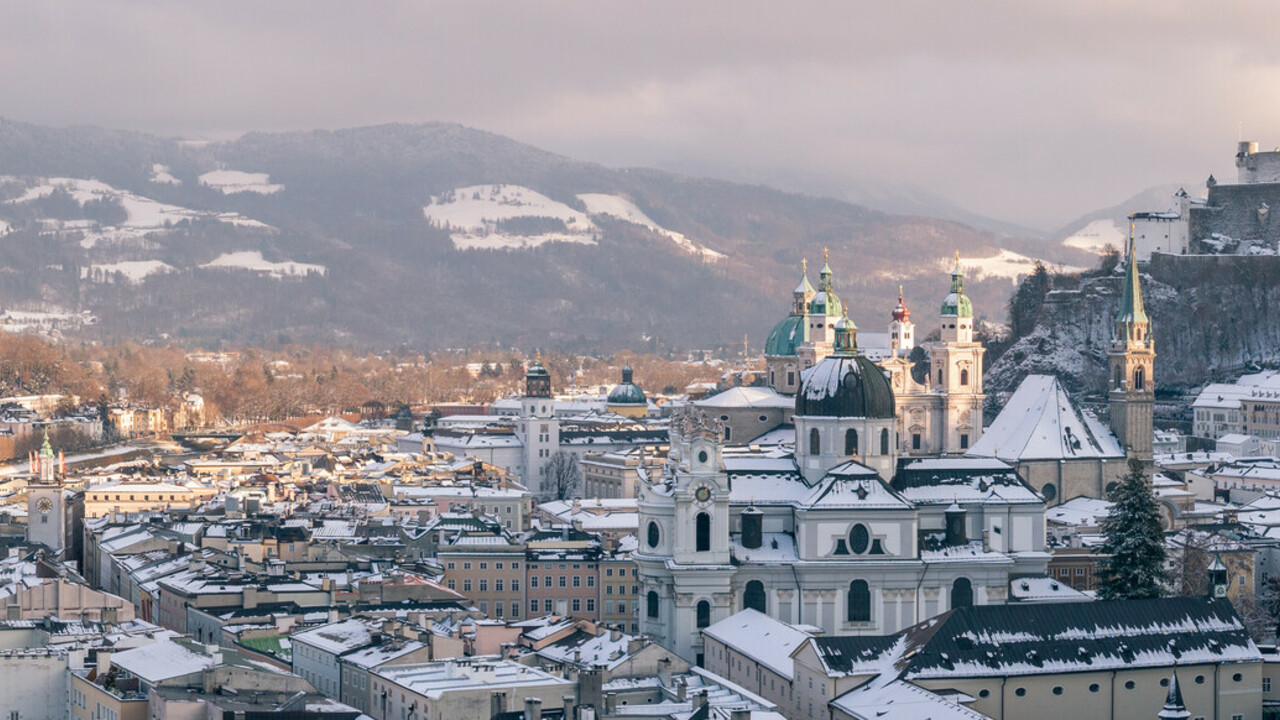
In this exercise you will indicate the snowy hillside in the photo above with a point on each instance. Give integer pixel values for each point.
(230, 182)
(1006, 264)
(161, 175)
(143, 215)
(253, 260)
(503, 217)
(624, 209)
(130, 270)
(1097, 236)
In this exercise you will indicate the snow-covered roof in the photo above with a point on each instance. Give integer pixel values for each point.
(1044, 589)
(901, 701)
(338, 637)
(1041, 423)
(747, 397)
(1079, 512)
(853, 485)
(433, 680)
(768, 641)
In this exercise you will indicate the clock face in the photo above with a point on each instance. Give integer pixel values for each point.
(702, 494)
(44, 505)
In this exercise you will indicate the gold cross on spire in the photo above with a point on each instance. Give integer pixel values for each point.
(957, 257)
(824, 255)
(804, 265)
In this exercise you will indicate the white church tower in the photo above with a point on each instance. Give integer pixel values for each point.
(539, 430)
(902, 332)
(46, 502)
(957, 369)
(683, 555)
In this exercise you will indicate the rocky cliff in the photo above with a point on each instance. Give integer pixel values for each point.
(1212, 316)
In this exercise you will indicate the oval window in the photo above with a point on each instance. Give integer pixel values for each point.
(1237, 677)
(1057, 690)
(859, 539)
(984, 693)
(1094, 687)
(653, 534)
(1199, 679)
(1130, 685)
(1020, 692)
(702, 456)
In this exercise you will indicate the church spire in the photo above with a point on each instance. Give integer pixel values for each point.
(1132, 309)
(1174, 708)
(824, 280)
(846, 340)
(804, 292)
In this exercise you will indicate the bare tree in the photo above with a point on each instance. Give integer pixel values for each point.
(562, 475)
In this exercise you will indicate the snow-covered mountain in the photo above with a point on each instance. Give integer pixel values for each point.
(410, 233)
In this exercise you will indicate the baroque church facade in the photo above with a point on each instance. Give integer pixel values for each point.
(855, 532)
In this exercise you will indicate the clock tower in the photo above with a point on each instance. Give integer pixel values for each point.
(46, 502)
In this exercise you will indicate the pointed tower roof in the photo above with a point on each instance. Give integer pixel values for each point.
(826, 270)
(46, 450)
(1174, 708)
(1131, 306)
(804, 286)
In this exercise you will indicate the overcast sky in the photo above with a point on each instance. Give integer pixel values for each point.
(1032, 112)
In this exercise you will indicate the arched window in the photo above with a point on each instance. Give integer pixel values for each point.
(651, 604)
(815, 442)
(753, 597)
(859, 601)
(859, 539)
(704, 613)
(964, 377)
(850, 442)
(884, 441)
(1139, 378)
(961, 593)
(939, 376)
(702, 532)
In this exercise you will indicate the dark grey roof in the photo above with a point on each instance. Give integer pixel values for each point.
(845, 386)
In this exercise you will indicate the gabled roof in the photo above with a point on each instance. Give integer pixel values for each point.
(853, 485)
(1041, 423)
(768, 641)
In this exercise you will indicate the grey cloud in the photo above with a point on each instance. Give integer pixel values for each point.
(1032, 112)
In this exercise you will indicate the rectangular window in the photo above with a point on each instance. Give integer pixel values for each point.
(577, 581)
(546, 581)
(484, 566)
(466, 566)
(516, 566)
(515, 609)
(591, 580)
(497, 566)
(484, 585)
(622, 607)
(533, 581)
(964, 442)
(466, 585)
(563, 581)
(608, 572)
(497, 585)
(915, 441)
(577, 604)
(451, 584)
(533, 606)
(608, 589)
(591, 605)
(515, 584)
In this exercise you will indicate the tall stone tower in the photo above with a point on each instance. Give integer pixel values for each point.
(46, 502)
(683, 555)
(957, 369)
(825, 309)
(1133, 356)
(539, 430)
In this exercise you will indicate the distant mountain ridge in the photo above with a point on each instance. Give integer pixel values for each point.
(325, 236)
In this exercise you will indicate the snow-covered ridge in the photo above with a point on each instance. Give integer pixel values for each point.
(490, 217)
(235, 181)
(144, 215)
(623, 209)
(1005, 264)
(133, 271)
(1096, 236)
(253, 260)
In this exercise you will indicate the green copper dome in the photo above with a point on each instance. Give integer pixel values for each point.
(627, 392)
(786, 336)
(956, 304)
(826, 303)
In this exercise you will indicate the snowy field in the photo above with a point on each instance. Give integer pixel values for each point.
(45, 321)
(134, 271)
(160, 175)
(1096, 236)
(144, 215)
(1007, 265)
(253, 260)
(230, 182)
(473, 215)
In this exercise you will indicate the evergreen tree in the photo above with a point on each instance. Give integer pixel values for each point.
(1134, 541)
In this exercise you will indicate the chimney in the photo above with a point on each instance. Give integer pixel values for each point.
(569, 704)
(533, 708)
(497, 704)
(681, 690)
(615, 634)
(699, 699)
(610, 703)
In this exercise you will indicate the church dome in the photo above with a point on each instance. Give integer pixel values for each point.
(956, 303)
(844, 385)
(785, 337)
(826, 303)
(627, 392)
(901, 313)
